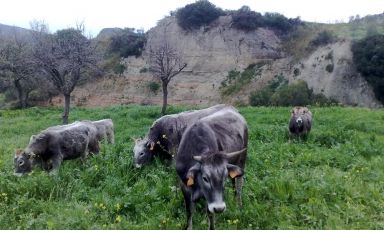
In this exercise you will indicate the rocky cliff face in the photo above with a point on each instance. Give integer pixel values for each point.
(214, 50)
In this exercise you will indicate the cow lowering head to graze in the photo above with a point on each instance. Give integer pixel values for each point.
(55, 144)
(165, 134)
(301, 121)
(212, 149)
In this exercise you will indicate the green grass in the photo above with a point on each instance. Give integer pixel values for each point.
(333, 180)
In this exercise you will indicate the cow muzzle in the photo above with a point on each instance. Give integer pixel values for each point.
(299, 121)
(138, 166)
(216, 207)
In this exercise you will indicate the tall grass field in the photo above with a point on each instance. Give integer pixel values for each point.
(332, 180)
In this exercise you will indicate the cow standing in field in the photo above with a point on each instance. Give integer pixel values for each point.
(104, 130)
(300, 123)
(212, 149)
(55, 144)
(165, 134)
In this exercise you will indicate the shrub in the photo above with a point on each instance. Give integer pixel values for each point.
(280, 22)
(236, 80)
(119, 69)
(261, 97)
(154, 87)
(296, 72)
(368, 56)
(194, 15)
(279, 93)
(127, 43)
(323, 38)
(329, 68)
(294, 94)
(246, 19)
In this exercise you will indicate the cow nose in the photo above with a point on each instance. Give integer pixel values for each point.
(138, 166)
(219, 209)
(216, 207)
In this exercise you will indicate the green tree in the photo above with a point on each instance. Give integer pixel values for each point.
(246, 19)
(127, 43)
(368, 56)
(194, 15)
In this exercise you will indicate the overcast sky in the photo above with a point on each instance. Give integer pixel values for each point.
(144, 14)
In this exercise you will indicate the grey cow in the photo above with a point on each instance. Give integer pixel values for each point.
(55, 144)
(165, 134)
(105, 130)
(210, 150)
(300, 123)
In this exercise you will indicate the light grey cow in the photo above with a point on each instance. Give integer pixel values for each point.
(55, 144)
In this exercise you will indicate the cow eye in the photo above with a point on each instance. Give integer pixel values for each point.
(205, 179)
(142, 153)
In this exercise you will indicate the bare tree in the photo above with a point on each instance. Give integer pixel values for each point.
(17, 66)
(66, 56)
(165, 63)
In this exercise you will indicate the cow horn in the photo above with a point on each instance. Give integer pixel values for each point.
(151, 145)
(134, 139)
(197, 158)
(234, 154)
(18, 152)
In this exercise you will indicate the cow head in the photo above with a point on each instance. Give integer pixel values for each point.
(297, 115)
(23, 162)
(207, 178)
(143, 151)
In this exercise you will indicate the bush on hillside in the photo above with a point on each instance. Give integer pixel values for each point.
(368, 56)
(127, 43)
(287, 95)
(246, 19)
(197, 14)
(325, 37)
(281, 23)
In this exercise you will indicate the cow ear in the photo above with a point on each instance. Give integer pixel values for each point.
(190, 181)
(18, 152)
(191, 174)
(234, 171)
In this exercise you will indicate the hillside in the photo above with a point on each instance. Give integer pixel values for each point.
(214, 50)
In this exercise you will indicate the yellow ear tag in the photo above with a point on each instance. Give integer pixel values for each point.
(233, 174)
(190, 181)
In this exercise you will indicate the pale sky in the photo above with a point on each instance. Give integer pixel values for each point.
(144, 14)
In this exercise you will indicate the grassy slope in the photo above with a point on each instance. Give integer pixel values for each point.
(332, 180)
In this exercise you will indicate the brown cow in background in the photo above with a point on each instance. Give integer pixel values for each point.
(300, 123)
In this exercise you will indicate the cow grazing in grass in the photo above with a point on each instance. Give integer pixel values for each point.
(212, 149)
(55, 144)
(165, 134)
(300, 123)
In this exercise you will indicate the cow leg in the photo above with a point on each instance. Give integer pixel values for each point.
(239, 186)
(211, 219)
(188, 205)
(55, 163)
(111, 138)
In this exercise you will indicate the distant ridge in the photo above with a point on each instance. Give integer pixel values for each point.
(7, 32)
